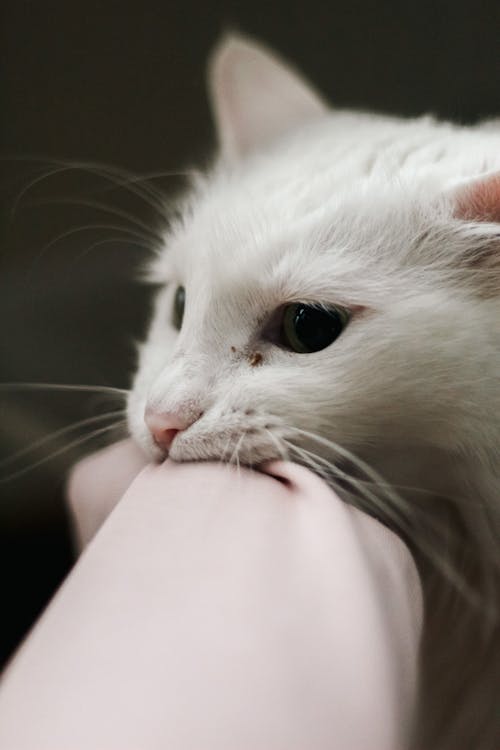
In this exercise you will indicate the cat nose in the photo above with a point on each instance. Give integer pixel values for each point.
(164, 426)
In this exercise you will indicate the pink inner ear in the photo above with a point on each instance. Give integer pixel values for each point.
(480, 201)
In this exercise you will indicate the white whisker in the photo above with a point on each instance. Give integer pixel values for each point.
(102, 207)
(69, 446)
(235, 453)
(118, 177)
(310, 460)
(391, 509)
(109, 241)
(92, 227)
(279, 447)
(57, 434)
(63, 387)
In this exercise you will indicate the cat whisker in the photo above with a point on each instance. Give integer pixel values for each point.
(376, 479)
(57, 434)
(282, 452)
(158, 174)
(101, 207)
(92, 227)
(136, 184)
(145, 178)
(235, 453)
(392, 510)
(80, 441)
(35, 181)
(332, 474)
(238, 466)
(77, 387)
(309, 460)
(224, 452)
(397, 501)
(120, 179)
(361, 465)
(362, 486)
(109, 241)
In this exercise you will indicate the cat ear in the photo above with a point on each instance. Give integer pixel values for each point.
(255, 96)
(479, 200)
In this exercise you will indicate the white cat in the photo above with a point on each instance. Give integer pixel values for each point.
(331, 294)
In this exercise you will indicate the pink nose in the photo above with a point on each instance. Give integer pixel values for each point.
(164, 426)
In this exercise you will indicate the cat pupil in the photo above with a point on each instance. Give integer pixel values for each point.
(178, 308)
(307, 328)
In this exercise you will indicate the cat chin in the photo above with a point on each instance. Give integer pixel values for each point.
(245, 451)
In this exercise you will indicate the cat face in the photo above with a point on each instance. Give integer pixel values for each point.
(306, 211)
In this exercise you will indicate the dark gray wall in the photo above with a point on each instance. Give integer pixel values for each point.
(122, 83)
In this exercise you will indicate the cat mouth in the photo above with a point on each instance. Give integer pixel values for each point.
(255, 446)
(251, 447)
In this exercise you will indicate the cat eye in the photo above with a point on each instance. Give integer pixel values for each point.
(310, 328)
(178, 307)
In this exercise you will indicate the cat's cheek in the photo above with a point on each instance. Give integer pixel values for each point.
(137, 427)
(144, 441)
(140, 436)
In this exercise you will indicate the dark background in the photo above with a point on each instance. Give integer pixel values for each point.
(122, 84)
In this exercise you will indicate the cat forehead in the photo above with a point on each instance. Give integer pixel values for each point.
(249, 255)
(308, 182)
(356, 186)
(241, 229)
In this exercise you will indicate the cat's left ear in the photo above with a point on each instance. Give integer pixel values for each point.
(255, 96)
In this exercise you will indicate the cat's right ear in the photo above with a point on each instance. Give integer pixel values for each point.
(478, 201)
(255, 96)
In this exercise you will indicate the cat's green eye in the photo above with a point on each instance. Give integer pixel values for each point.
(310, 328)
(178, 307)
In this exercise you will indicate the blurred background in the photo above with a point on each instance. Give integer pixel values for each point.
(120, 87)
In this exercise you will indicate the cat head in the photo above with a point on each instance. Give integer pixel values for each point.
(332, 277)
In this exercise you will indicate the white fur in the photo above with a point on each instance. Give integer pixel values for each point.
(358, 210)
